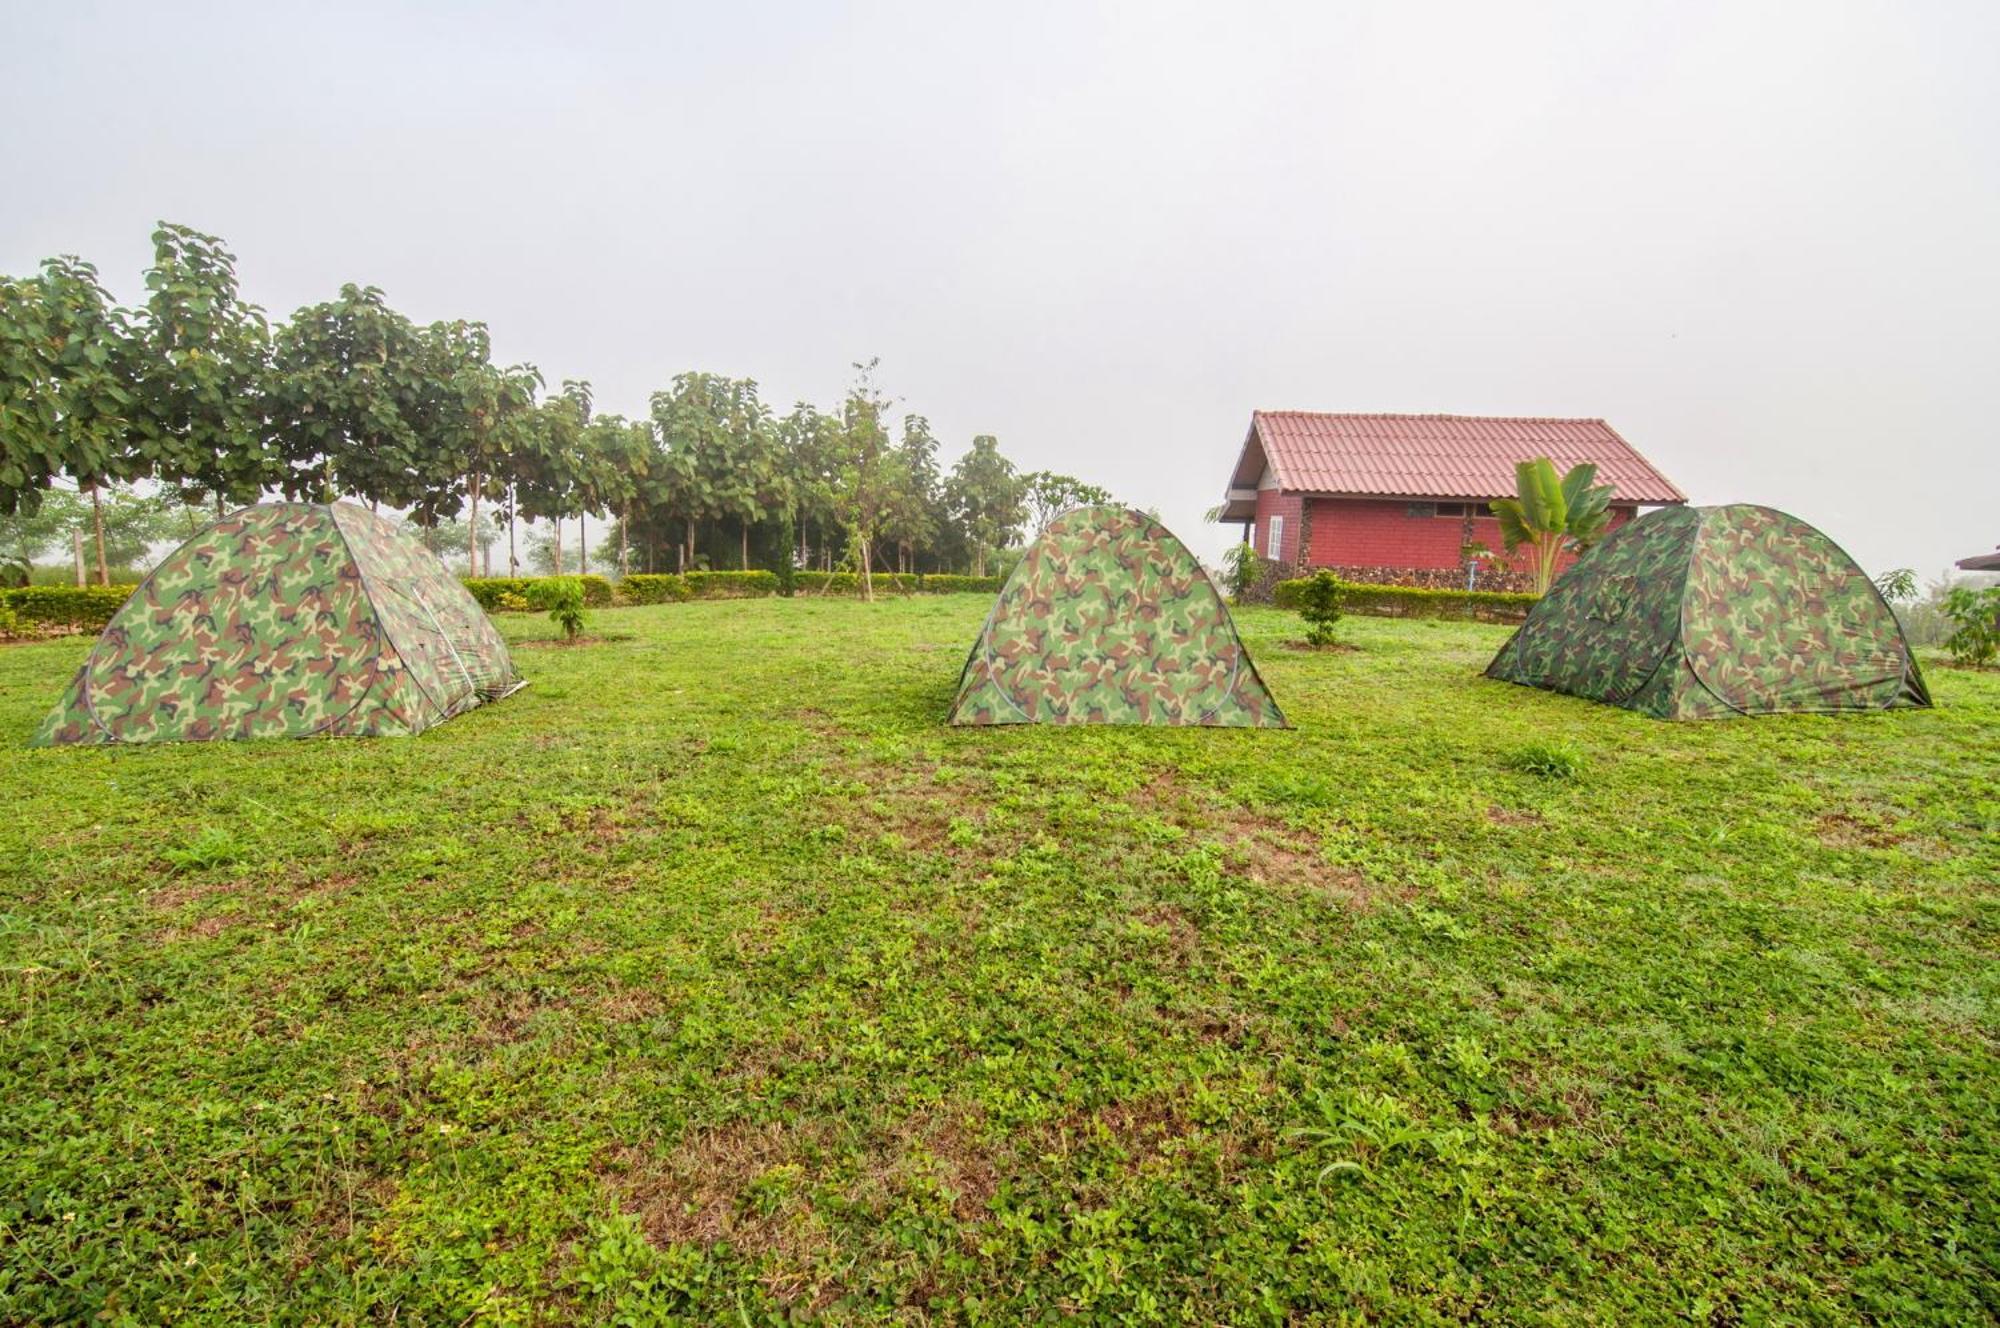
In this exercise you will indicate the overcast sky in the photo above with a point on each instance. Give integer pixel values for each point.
(1762, 240)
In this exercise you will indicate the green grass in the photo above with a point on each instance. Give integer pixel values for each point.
(713, 977)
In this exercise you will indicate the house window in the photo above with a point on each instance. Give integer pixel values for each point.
(1421, 509)
(1454, 509)
(1274, 541)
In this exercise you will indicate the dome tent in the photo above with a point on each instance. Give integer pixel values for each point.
(1696, 613)
(286, 620)
(1108, 619)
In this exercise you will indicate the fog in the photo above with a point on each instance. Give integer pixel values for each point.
(1759, 239)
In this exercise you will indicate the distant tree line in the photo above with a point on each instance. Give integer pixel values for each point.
(197, 392)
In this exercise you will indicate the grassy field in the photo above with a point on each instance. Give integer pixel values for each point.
(712, 979)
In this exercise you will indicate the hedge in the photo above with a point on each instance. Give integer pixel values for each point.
(39, 610)
(730, 585)
(894, 583)
(488, 589)
(1416, 602)
(654, 588)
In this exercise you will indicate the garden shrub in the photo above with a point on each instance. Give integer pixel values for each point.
(1417, 602)
(1975, 619)
(654, 588)
(563, 597)
(488, 589)
(731, 585)
(72, 608)
(1320, 600)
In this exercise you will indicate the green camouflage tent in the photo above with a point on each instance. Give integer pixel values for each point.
(1109, 619)
(1694, 613)
(286, 620)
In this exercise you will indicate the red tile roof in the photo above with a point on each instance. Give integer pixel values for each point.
(1436, 456)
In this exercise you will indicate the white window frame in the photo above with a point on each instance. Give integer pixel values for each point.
(1274, 537)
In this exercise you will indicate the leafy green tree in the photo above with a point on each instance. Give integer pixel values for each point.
(351, 386)
(628, 456)
(76, 389)
(986, 496)
(547, 473)
(717, 431)
(810, 446)
(1975, 618)
(204, 374)
(1898, 585)
(909, 515)
(1048, 495)
(863, 475)
(482, 414)
(1551, 514)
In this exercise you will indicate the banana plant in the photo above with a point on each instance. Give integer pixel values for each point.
(1551, 513)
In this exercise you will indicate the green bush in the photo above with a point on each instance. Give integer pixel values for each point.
(563, 597)
(1975, 619)
(1416, 602)
(1320, 600)
(488, 589)
(74, 608)
(654, 588)
(895, 583)
(731, 585)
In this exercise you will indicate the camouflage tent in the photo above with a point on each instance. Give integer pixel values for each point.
(1109, 619)
(287, 620)
(1692, 613)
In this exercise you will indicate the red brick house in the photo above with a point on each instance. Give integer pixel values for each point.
(1401, 499)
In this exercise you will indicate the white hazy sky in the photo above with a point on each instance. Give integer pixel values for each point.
(1763, 240)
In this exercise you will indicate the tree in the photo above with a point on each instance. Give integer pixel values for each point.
(75, 365)
(1550, 514)
(860, 488)
(545, 472)
(483, 413)
(1049, 495)
(909, 514)
(629, 456)
(810, 445)
(350, 386)
(716, 430)
(986, 499)
(204, 374)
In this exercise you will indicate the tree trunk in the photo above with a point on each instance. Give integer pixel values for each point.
(867, 585)
(97, 519)
(76, 538)
(558, 545)
(582, 547)
(743, 554)
(219, 513)
(472, 527)
(513, 563)
(624, 530)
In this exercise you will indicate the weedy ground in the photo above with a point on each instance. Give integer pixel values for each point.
(713, 979)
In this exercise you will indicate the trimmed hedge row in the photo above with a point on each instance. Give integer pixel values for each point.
(1416, 602)
(730, 585)
(488, 589)
(39, 610)
(894, 583)
(654, 588)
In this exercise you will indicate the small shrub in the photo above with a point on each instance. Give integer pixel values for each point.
(1975, 619)
(509, 602)
(1546, 760)
(562, 596)
(1321, 600)
(1240, 570)
(214, 846)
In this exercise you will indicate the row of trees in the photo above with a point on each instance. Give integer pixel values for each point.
(198, 393)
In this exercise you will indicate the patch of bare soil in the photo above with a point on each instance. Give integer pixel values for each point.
(1844, 830)
(1308, 648)
(1512, 816)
